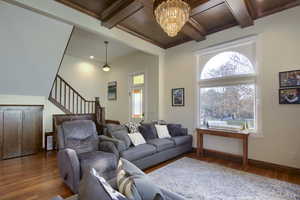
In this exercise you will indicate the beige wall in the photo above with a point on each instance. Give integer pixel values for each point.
(121, 68)
(85, 76)
(278, 49)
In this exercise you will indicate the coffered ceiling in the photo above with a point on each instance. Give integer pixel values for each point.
(207, 16)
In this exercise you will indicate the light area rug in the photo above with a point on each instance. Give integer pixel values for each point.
(199, 180)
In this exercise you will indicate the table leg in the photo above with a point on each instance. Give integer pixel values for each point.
(200, 151)
(245, 151)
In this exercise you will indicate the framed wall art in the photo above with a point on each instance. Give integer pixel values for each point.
(112, 90)
(178, 97)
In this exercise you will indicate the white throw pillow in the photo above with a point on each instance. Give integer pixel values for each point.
(162, 131)
(136, 138)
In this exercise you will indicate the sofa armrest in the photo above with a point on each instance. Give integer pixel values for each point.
(69, 168)
(184, 131)
(120, 145)
(109, 147)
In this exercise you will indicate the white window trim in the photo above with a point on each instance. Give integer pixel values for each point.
(226, 81)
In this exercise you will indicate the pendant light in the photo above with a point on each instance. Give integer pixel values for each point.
(106, 67)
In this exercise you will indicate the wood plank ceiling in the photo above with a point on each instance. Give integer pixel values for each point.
(207, 16)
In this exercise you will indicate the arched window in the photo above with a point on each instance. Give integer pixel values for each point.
(227, 92)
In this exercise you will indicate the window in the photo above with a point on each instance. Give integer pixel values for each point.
(137, 103)
(227, 92)
(138, 79)
(137, 96)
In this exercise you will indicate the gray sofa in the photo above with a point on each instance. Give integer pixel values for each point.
(79, 149)
(90, 189)
(155, 150)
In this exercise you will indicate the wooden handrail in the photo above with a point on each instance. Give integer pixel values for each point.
(62, 94)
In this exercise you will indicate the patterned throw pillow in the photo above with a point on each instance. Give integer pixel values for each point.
(133, 127)
(136, 138)
(126, 184)
(134, 184)
(113, 194)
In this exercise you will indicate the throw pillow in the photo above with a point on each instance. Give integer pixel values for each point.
(162, 131)
(174, 129)
(134, 183)
(133, 127)
(94, 186)
(136, 138)
(148, 131)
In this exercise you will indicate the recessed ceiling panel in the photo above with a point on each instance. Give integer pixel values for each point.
(215, 18)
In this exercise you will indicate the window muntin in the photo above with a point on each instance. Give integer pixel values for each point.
(228, 103)
(227, 64)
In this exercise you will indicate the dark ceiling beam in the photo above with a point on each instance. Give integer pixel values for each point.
(240, 12)
(202, 6)
(194, 30)
(119, 11)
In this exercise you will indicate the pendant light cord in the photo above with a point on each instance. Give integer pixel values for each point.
(106, 44)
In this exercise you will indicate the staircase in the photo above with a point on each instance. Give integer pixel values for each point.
(66, 98)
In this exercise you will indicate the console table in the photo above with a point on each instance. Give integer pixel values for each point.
(222, 133)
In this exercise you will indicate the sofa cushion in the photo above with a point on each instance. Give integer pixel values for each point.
(161, 144)
(119, 132)
(95, 187)
(105, 163)
(140, 151)
(174, 129)
(181, 140)
(148, 131)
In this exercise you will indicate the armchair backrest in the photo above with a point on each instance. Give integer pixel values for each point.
(79, 135)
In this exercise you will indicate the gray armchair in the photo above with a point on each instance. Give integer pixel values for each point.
(80, 149)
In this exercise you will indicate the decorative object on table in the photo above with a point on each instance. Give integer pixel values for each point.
(289, 79)
(178, 97)
(171, 15)
(106, 67)
(112, 90)
(289, 96)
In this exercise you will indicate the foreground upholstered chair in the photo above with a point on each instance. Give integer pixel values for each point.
(80, 150)
(90, 188)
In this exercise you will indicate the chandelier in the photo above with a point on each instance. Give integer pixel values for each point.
(171, 15)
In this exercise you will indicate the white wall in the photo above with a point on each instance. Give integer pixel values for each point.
(31, 48)
(278, 49)
(121, 68)
(86, 76)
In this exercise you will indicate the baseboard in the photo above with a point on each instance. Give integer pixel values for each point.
(252, 162)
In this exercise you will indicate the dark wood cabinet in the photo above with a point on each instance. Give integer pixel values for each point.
(21, 129)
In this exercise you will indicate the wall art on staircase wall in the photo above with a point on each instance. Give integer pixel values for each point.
(112, 90)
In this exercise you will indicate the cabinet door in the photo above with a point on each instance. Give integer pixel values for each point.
(12, 132)
(32, 131)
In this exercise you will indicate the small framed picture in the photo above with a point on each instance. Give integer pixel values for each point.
(289, 79)
(112, 90)
(289, 96)
(178, 97)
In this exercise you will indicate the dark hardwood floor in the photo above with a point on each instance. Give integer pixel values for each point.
(37, 178)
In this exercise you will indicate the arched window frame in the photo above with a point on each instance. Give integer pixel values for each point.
(231, 80)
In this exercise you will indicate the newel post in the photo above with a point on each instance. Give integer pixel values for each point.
(99, 111)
